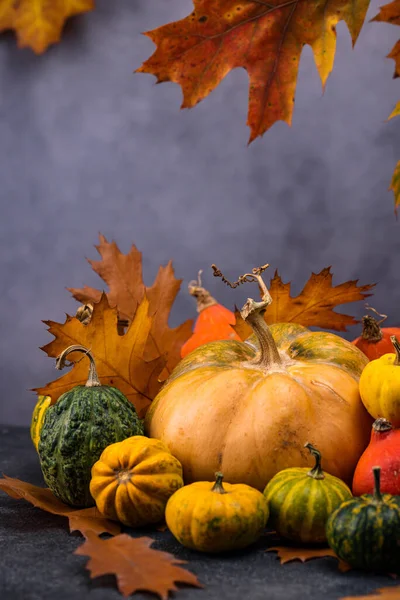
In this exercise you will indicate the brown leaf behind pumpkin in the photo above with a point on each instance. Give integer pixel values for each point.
(83, 520)
(119, 358)
(123, 273)
(136, 566)
(313, 306)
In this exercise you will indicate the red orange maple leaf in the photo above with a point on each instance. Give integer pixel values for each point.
(265, 38)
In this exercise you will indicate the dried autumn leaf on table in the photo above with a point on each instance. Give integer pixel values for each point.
(83, 520)
(313, 306)
(290, 553)
(123, 275)
(265, 38)
(39, 23)
(119, 358)
(386, 593)
(136, 566)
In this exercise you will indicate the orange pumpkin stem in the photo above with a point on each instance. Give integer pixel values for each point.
(396, 346)
(377, 483)
(316, 472)
(93, 378)
(218, 487)
(203, 296)
(253, 313)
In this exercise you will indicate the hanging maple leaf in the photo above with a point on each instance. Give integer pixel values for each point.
(83, 520)
(119, 358)
(123, 275)
(136, 566)
(313, 306)
(39, 23)
(386, 593)
(290, 553)
(395, 183)
(265, 38)
(390, 13)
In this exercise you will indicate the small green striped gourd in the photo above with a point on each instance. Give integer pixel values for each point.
(300, 501)
(42, 404)
(365, 531)
(76, 430)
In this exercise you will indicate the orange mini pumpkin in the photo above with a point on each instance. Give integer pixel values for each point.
(246, 408)
(374, 340)
(214, 321)
(133, 480)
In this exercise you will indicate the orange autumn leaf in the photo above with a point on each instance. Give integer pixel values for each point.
(83, 520)
(265, 38)
(215, 321)
(123, 275)
(290, 553)
(313, 306)
(395, 186)
(136, 566)
(119, 358)
(39, 23)
(386, 593)
(390, 13)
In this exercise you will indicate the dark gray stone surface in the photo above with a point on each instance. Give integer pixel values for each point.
(37, 560)
(87, 146)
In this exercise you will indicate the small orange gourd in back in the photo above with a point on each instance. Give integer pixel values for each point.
(375, 340)
(214, 321)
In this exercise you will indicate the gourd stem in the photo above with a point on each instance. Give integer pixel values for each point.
(253, 313)
(203, 296)
(396, 346)
(93, 379)
(382, 425)
(218, 487)
(377, 483)
(371, 331)
(316, 472)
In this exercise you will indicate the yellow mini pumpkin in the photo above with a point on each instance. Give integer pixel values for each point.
(380, 386)
(133, 480)
(214, 517)
(42, 404)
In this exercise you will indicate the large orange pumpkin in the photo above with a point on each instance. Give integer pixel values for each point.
(247, 409)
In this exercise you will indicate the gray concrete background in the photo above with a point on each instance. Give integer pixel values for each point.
(87, 146)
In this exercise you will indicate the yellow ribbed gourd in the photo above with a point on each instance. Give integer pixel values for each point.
(380, 386)
(212, 517)
(133, 480)
(301, 500)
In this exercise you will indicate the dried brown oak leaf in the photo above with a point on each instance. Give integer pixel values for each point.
(123, 275)
(289, 553)
(39, 23)
(136, 566)
(83, 520)
(386, 593)
(313, 306)
(119, 358)
(265, 38)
